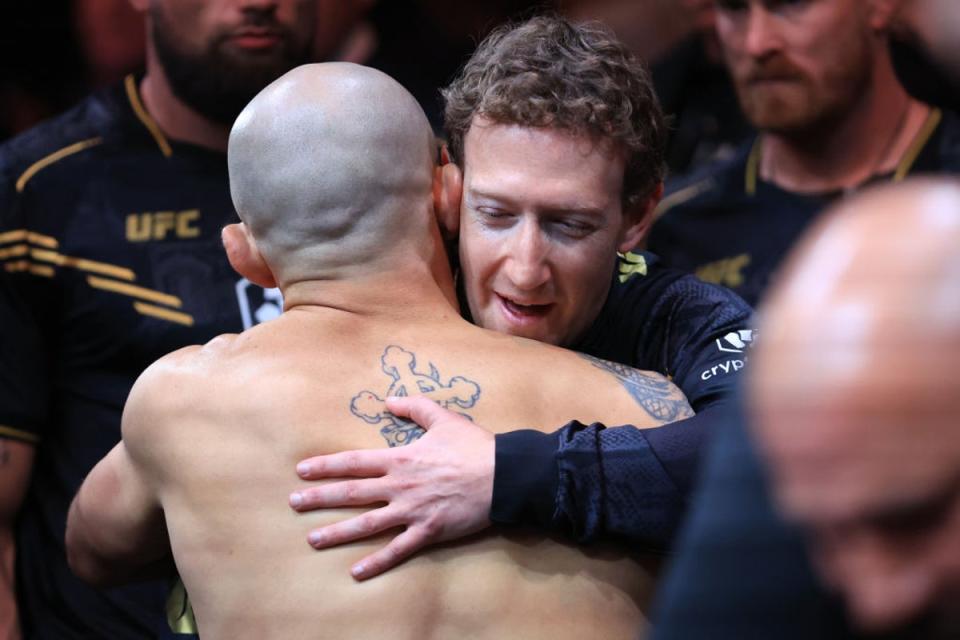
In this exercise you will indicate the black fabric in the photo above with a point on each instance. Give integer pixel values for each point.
(526, 494)
(109, 248)
(922, 77)
(622, 481)
(699, 98)
(740, 572)
(712, 225)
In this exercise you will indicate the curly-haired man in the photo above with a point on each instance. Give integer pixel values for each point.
(558, 141)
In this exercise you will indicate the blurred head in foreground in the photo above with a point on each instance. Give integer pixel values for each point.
(856, 401)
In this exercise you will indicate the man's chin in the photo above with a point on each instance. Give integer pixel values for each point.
(777, 111)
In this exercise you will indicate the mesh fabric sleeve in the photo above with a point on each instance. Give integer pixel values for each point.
(592, 481)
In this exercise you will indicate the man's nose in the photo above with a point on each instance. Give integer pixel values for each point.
(527, 264)
(762, 35)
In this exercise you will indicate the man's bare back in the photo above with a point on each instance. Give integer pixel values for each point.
(216, 429)
(211, 433)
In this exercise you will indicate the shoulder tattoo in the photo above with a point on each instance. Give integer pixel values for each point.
(657, 395)
(409, 380)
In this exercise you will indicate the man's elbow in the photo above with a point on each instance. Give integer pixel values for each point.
(86, 552)
(84, 560)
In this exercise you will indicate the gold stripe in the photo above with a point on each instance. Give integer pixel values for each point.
(41, 270)
(20, 265)
(679, 197)
(54, 157)
(134, 291)
(42, 240)
(15, 250)
(163, 314)
(151, 124)
(13, 236)
(83, 264)
(753, 168)
(29, 236)
(919, 142)
(26, 436)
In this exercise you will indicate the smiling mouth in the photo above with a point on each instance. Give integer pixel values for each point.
(524, 311)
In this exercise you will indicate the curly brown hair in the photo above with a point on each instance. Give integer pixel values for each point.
(548, 72)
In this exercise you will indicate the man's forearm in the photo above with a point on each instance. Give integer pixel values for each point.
(116, 531)
(588, 481)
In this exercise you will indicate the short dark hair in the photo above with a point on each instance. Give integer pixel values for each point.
(548, 72)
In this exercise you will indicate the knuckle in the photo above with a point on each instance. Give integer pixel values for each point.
(391, 554)
(311, 496)
(402, 458)
(350, 492)
(352, 461)
(432, 528)
(405, 484)
(366, 524)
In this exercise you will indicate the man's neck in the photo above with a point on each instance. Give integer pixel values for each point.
(175, 118)
(869, 140)
(415, 292)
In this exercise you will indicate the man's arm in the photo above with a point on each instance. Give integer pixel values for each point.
(16, 461)
(591, 481)
(116, 531)
(581, 481)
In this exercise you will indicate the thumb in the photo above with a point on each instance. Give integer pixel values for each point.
(420, 409)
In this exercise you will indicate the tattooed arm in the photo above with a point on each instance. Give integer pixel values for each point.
(566, 478)
(16, 460)
(441, 487)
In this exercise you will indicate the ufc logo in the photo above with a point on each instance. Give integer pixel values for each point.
(160, 224)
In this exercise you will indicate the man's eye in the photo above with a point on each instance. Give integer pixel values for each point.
(494, 214)
(573, 228)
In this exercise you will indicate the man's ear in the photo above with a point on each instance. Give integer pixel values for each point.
(637, 219)
(244, 256)
(447, 192)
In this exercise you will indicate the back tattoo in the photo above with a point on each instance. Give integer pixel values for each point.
(401, 366)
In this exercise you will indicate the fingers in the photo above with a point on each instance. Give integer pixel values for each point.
(358, 528)
(399, 549)
(363, 463)
(420, 409)
(349, 493)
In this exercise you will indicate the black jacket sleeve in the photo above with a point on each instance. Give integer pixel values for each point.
(592, 481)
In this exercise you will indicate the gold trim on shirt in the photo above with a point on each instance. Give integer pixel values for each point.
(130, 83)
(60, 154)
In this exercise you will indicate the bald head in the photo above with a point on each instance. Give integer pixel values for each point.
(330, 166)
(855, 394)
(868, 307)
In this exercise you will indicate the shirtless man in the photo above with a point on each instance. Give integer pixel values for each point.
(346, 234)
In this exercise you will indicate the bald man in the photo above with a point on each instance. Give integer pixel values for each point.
(863, 438)
(861, 443)
(350, 236)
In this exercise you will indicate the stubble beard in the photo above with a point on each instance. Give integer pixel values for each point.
(217, 83)
(806, 110)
